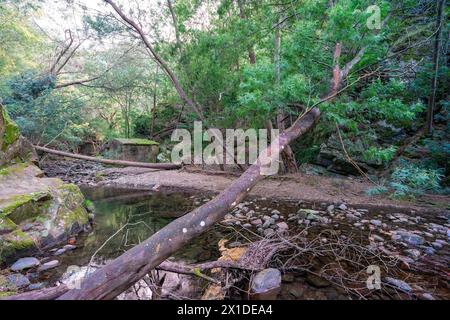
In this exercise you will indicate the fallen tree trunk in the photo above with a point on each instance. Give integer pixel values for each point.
(134, 264)
(160, 166)
(43, 294)
(168, 266)
(122, 272)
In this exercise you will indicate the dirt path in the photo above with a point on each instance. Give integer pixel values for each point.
(316, 190)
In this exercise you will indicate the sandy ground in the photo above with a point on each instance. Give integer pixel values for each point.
(316, 190)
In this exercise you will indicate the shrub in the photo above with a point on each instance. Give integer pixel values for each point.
(409, 180)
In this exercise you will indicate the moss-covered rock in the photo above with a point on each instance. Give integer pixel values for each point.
(9, 131)
(35, 212)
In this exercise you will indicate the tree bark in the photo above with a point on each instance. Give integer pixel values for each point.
(160, 166)
(152, 128)
(287, 155)
(436, 55)
(134, 264)
(118, 275)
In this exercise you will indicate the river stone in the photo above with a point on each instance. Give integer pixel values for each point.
(267, 223)
(437, 245)
(411, 238)
(413, 253)
(59, 252)
(36, 286)
(25, 263)
(69, 247)
(275, 212)
(282, 226)
(48, 265)
(256, 222)
(375, 222)
(268, 232)
(342, 207)
(330, 208)
(247, 226)
(18, 280)
(266, 285)
(399, 284)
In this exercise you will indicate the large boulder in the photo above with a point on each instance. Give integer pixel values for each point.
(35, 212)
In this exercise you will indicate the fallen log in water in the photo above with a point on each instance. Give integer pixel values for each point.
(160, 166)
(118, 275)
(168, 266)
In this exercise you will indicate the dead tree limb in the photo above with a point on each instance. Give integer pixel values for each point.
(118, 275)
(44, 294)
(160, 166)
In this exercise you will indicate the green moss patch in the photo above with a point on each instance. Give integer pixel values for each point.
(25, 206)
(11, 133)
(137, 142)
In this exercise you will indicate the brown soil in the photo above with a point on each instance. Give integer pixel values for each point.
(315, 190)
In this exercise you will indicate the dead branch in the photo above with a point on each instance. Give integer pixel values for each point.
(161, 166)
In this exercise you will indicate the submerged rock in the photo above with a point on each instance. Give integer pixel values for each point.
(266, 285)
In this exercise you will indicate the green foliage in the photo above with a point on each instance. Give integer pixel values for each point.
(376, 191)
(42, 113)
(18, 41)
(382, 155)
(409, 180)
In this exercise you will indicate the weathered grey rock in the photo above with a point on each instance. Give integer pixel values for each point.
(48, 265)
(247, 226)
(376, 222)
(351, 216)
(410, 238)
(413, 253)
(343, 207)
(36, 286)
(268, 223)
(330, 208)
(437, 245)
(268, 232)
(266, 285)
(256, 222)
(59, 252)
(25, 263)
(283, 226)
(69, 247)
(17, 280)
(275, 212)
(275, 217)
(427, 296)
(377, 238)
(399, 284)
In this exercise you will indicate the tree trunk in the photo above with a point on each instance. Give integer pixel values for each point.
(436, 55)
(152, 128)
(161, 166)
(134, 264)
(287, 155)
(119, 274)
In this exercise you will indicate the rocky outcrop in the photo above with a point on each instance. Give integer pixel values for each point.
(332, 157)
(35, 212)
